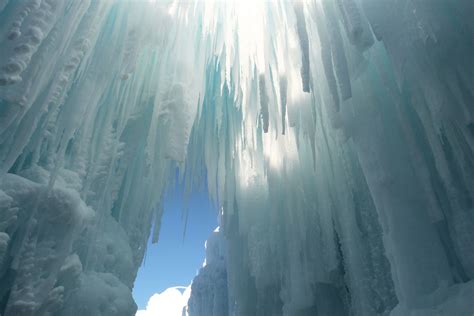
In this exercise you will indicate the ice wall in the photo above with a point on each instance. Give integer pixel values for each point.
(209, 287)
(93, 119)
(354, 198)
(336, 138)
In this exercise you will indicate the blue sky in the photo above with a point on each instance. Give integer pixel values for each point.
(174, 261)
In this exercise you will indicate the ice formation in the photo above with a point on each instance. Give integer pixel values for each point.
(209, 287)
(336, 138)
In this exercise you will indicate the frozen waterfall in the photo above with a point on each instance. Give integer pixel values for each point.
(336, 138)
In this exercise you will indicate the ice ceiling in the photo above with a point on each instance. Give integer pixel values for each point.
(336, 138)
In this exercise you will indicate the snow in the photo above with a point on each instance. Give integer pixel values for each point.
(99, 294)
(54, 218)
(335, 139)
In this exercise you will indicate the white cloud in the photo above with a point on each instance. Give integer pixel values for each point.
(170, 302)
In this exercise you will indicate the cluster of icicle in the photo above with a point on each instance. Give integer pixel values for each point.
(336, 136)
(338, 140)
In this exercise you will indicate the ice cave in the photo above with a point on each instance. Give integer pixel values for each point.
(334, 137)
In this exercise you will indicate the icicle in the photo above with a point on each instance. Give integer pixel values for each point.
(326, 59)
(351, 18)
(304, 45)
(356, 25)
(43, 16)
(365, 211)
(373, 9)
(157, 224)
(337, 50)
(263, 102)
(283, 101)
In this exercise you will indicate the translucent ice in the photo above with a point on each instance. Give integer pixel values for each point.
(335, 138)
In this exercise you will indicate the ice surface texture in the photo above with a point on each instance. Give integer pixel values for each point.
(209, 287)
(336, 138)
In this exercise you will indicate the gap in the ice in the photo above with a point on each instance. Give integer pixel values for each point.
(176, 258)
